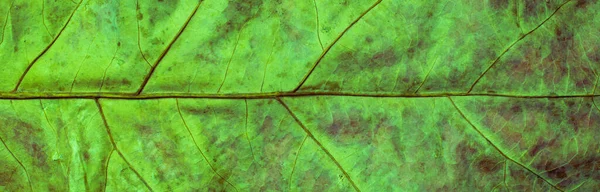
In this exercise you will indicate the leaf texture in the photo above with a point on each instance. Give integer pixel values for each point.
(378, 95)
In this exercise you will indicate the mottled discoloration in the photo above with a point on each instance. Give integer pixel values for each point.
(545, 132)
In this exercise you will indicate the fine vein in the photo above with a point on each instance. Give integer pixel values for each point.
(318, 33)
(106, 168)
(45, 49)
(309, 134)
(513, 44)
(112, 141)
(296, 160)
(137, 9)
(332, 44)
(6, 22)
(237, 42)
(164, 52)
(246, 127)
(198, 147)
(19, 162)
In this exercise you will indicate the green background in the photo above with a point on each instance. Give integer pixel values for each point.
(311, 95)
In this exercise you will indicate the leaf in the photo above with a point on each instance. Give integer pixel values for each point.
(186, 95)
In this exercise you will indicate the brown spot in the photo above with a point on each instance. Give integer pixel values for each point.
(86, 156)
(557, 173)
(166, 148)
(7, 175)
(125, 82)
(465, 151)
(590, 166)
(369, 39)
(238, 13)
(38, 152)
(335, 127)
(429, 14)
(531, 7)
(333, 86)
(140, 16)
(163, 12)
(516, 109)
(582, 4)
(594, 55)
(488, 165)
(23, 130)
(499, 4)
(564, 35)
(583, 83)
(349, 127)
(541, 144)
(267, 125)
(145, 130)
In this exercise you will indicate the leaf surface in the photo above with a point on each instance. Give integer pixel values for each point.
(185, 95)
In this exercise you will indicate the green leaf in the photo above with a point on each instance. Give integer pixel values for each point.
(380, 95)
